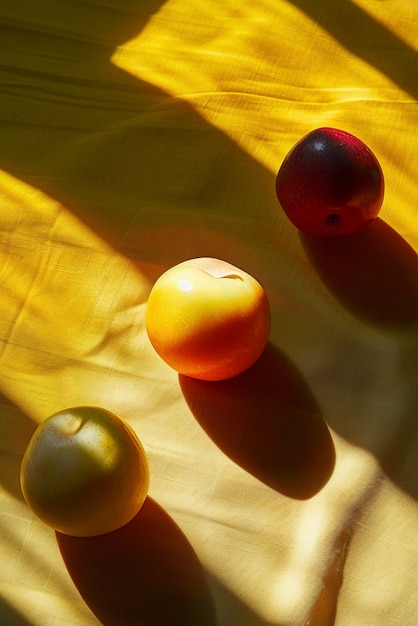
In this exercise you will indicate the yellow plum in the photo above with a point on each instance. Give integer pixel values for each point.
(208, 319)
(84, 472)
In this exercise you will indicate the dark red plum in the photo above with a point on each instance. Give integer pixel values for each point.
(330, 183)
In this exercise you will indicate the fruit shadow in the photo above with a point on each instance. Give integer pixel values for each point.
(373, 273)
(144, 573)
(268, 422)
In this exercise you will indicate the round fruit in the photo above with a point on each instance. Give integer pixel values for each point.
(330, 183)
(84, 472)
(208, 319)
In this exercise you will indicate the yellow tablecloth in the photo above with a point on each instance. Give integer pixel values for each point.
(136, 134)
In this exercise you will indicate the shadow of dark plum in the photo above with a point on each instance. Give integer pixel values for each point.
(373, 273)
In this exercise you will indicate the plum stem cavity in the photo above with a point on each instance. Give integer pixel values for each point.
(333, 219)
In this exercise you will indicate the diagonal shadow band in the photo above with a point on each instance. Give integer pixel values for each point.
(11, 616)
(117, 151)
(268, 422)
(144, 573)
(16, 430)
(388, 54)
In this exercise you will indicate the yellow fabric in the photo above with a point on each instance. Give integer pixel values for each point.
(136, 134)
